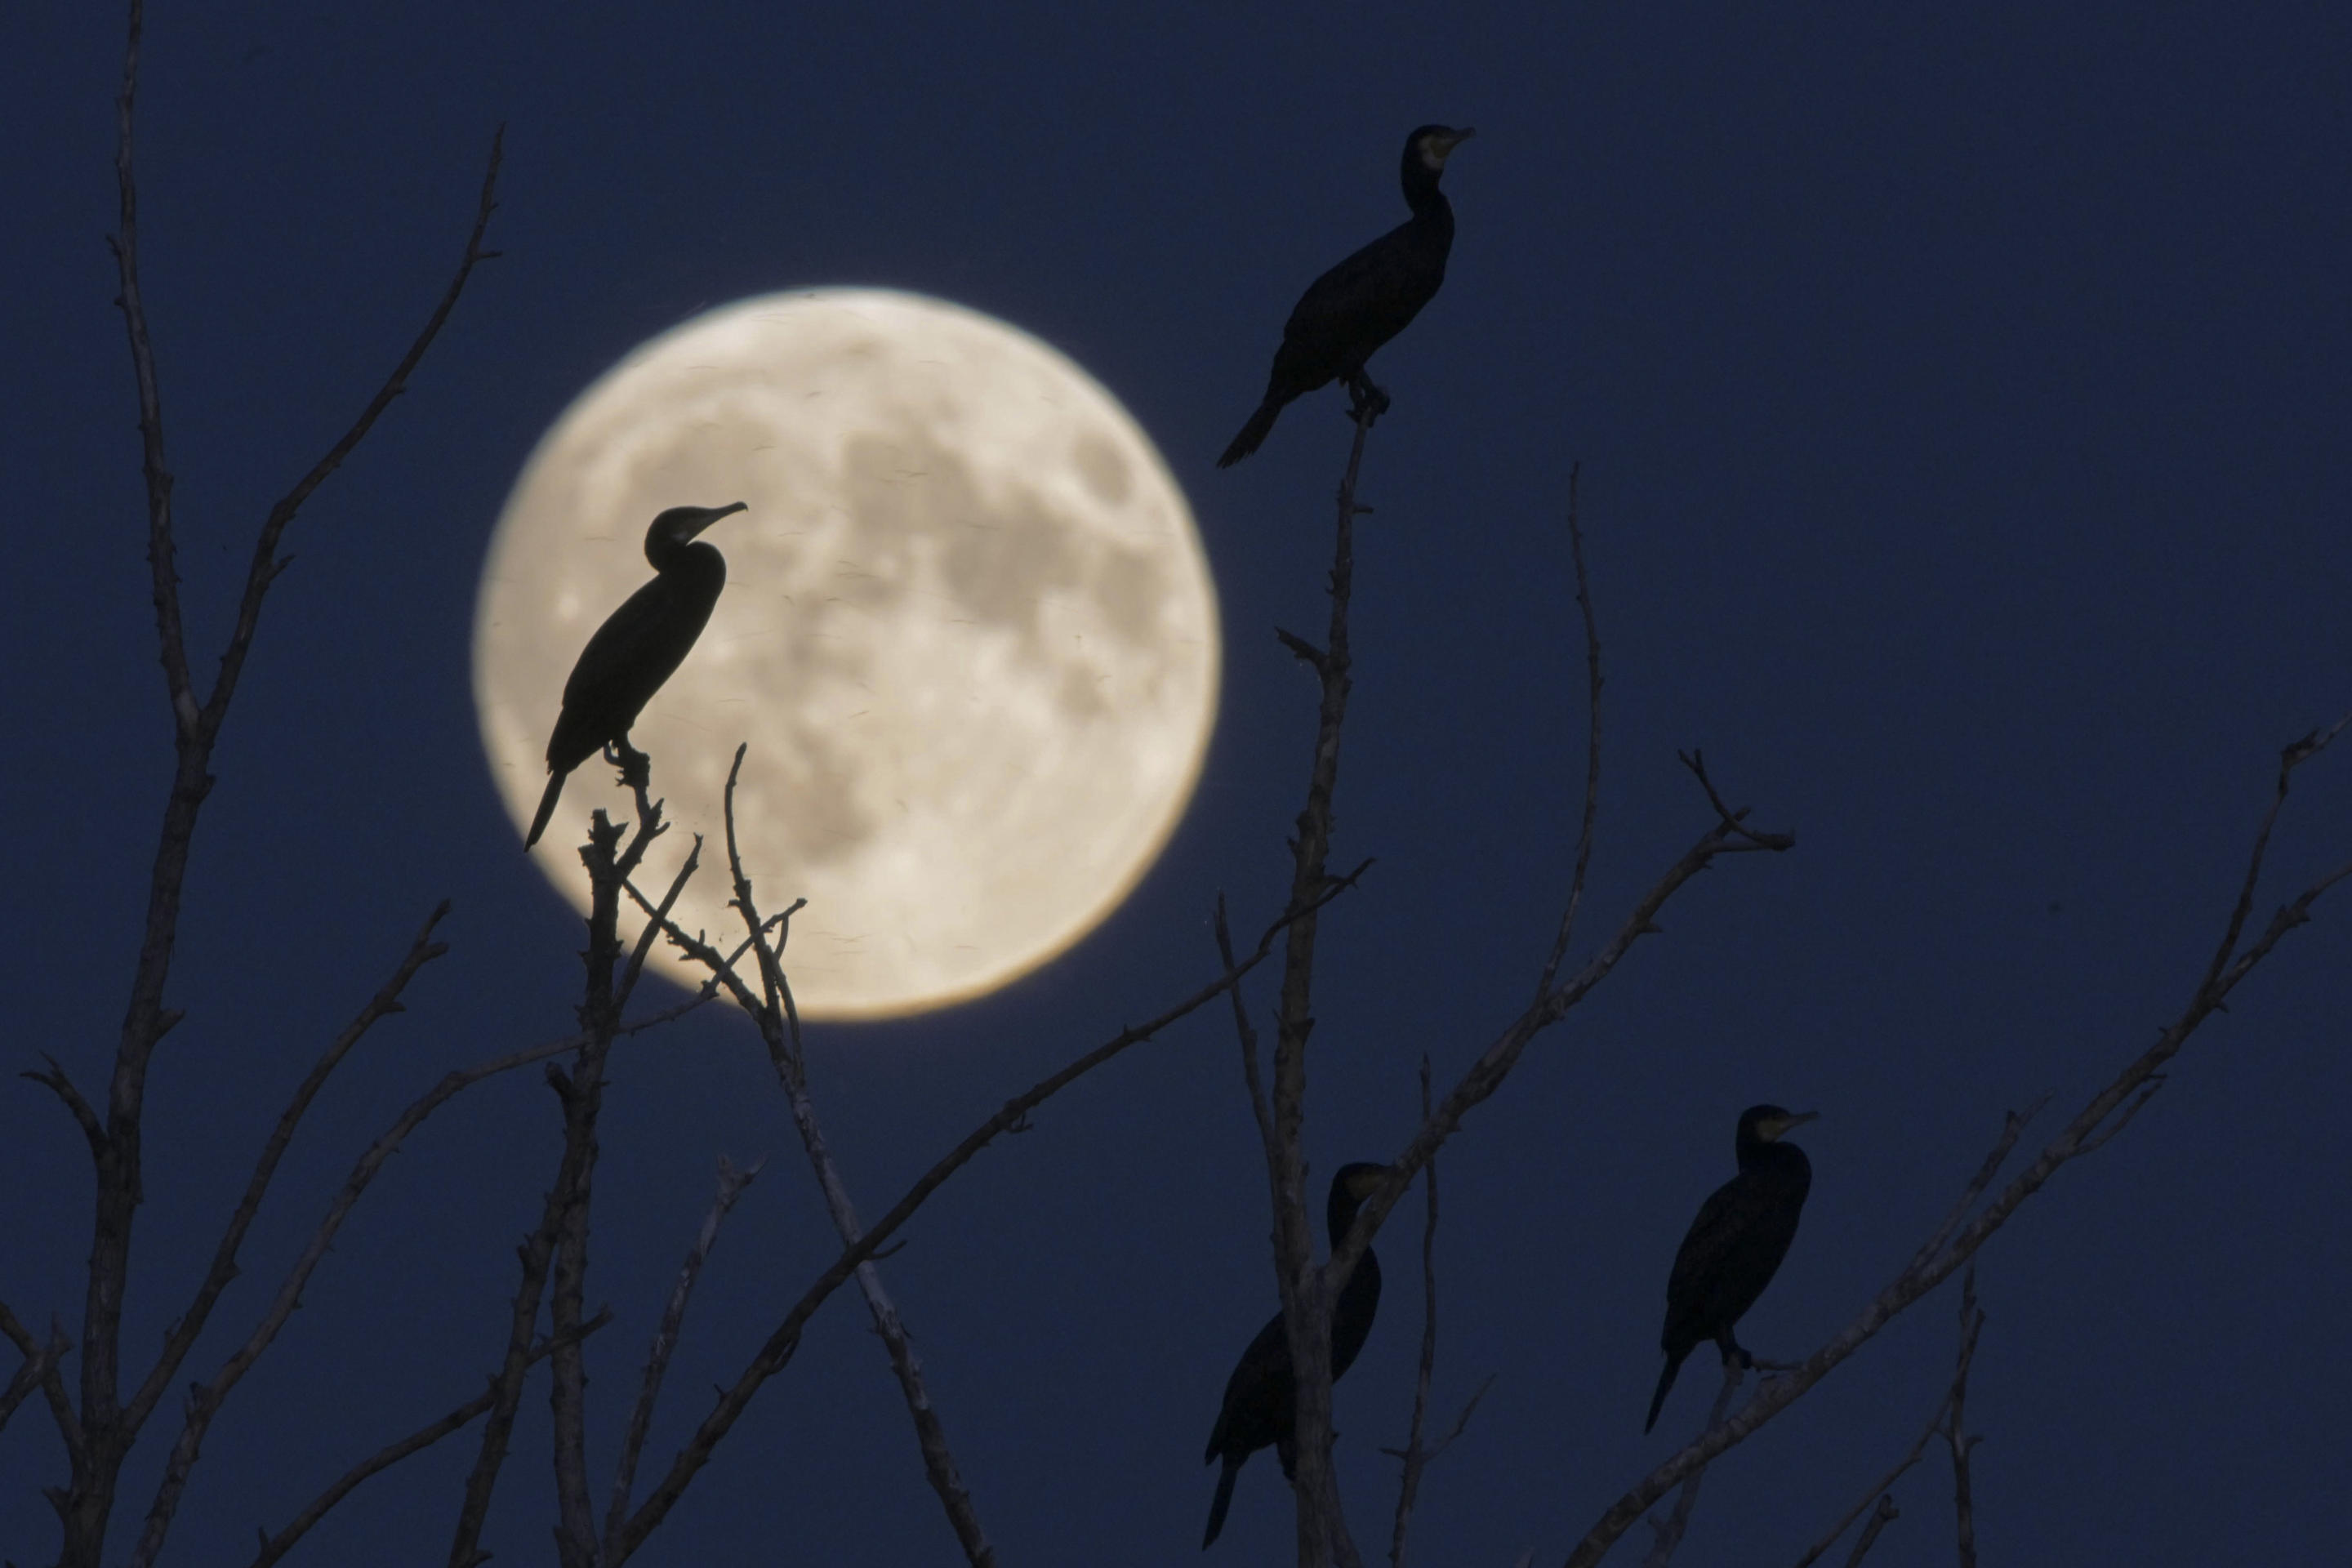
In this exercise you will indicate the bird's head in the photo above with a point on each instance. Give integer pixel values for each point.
(677, 526)
(1770, 1123)
(1431, 145)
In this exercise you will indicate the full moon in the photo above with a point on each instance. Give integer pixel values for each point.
(968, 633)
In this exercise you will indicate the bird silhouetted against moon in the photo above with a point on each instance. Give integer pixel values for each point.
(969, 634)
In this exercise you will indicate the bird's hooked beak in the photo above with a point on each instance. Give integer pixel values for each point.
(711, 515)
(1772, 1132)
(1440, 148)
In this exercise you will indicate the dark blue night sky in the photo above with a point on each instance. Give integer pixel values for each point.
(1963, 412)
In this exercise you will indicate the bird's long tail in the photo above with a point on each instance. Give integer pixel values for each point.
(1253, 433)
(1225, 1499)
(1665, 1382)
(546, 805)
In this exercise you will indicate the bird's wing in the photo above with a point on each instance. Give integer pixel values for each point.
(1338, 302)
(621, 644)
(1260, 1382)
(1709, 1240)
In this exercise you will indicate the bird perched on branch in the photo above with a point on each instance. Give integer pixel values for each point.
(1365, 300)
(639, 646)
(1736, 1244)
(1261, 1396)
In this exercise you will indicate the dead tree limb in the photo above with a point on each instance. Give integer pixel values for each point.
(274, 1547)
(1669, 1532)
(1956, 1433)
(777, 1351)
(773, 1011)
(86, 1502)
(731, 1182)
(2099, 1119)
(1880, 1489)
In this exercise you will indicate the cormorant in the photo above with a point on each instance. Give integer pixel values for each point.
(637, 649)
(1736, 1244)
(1260, 1400)
(1365, 300)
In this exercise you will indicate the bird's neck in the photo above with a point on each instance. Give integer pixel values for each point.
(1428, 202)
(693, 560)
(1774, 1159)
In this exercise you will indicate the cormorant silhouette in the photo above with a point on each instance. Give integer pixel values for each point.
(1260, 1396)
(1365, 300)
(639, 646)
(1736, 1244)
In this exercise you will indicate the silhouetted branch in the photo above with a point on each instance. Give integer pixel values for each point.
(205, 1400)
(274, 1547)
(1969, 1325)
(86, 1506)
(39, 1367)
(1494, 1065)
(731, 1182)
(1964, 1507)
(609, 862)
(2084, 1134)
(1415, 1455)
(779, 1023)
(1669, 1532)
(1306, 1294)
(267, 564)
(780, 1343)
(1247, 1033)
(1736, 821)
(57, 1083)
(1884, 1515)
(182, 1338)
(556, 1251)
(1592, 683)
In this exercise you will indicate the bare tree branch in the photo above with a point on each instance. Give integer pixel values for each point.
(778, 1020)
(57, 1083)
(1885, 1514)
(582, 1095)
(563, 1215)
(1592, 682)
(1880, 1487)
(274, 1547)
(1415, 1460)
(87, 1504)
(182, 1338)
(1245, 1031)
(1494, 1065)
(779, 1345)
(1964, 1505)
(39, 1367)
(1306, 1294)
(205, 1400)
(731, 1182)
(1669, 1532)
(1932, 1266)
